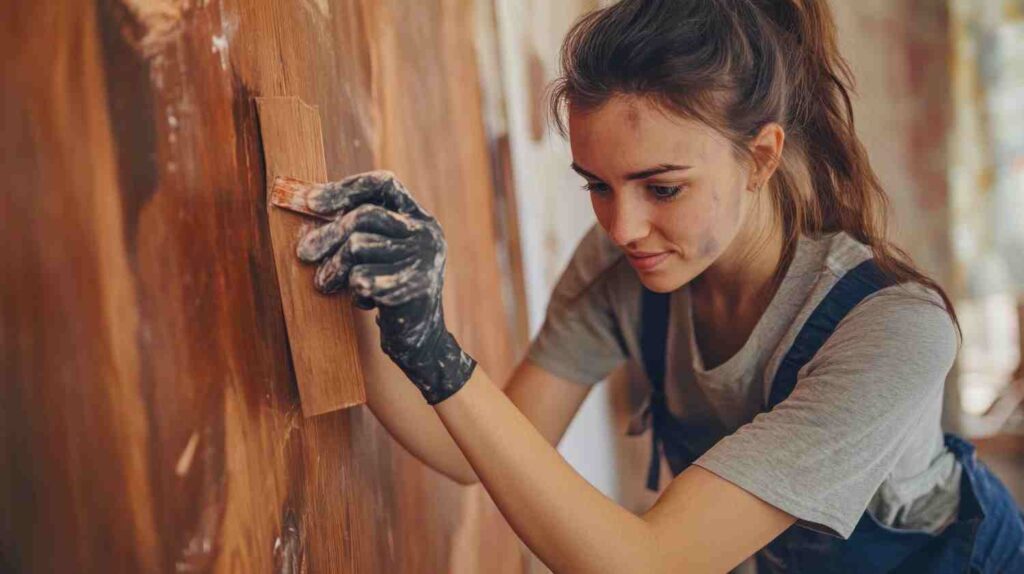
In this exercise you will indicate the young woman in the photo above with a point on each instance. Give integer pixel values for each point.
(796, 358)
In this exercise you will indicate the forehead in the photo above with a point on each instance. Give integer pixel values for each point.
(628, 133)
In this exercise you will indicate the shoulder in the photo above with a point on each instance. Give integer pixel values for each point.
(909, 306)
(909, 303)
(899, 327)
(906, 314)
(838, 252)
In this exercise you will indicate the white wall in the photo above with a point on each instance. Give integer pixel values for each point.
(554, 211)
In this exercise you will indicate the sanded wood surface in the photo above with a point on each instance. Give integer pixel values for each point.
(149, 413)
(321, 333)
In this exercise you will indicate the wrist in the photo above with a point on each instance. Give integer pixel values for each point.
(448, 372)
(439, 367)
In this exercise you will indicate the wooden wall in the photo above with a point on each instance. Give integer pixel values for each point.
(149, 419)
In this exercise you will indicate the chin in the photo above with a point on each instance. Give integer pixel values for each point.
(664, 282)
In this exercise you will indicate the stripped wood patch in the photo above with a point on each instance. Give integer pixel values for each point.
(321, 332)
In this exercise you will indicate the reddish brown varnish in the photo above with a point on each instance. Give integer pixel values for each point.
(283, 195)
(149, 417)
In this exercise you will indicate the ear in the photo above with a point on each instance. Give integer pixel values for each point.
(766, 148)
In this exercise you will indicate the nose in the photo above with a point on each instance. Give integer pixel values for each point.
(628, 220)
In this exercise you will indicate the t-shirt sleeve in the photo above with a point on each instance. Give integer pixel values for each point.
(580, 340)
(821, 453)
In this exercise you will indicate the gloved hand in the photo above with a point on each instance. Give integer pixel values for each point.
(390, 253)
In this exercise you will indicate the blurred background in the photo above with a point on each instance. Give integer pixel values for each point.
(149, 416)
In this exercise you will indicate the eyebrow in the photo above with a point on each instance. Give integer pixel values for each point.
(665, 167)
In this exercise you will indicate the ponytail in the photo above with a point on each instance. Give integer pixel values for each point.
(848, 194)
(737, 65)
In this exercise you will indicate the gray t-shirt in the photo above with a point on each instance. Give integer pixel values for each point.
(860, 431)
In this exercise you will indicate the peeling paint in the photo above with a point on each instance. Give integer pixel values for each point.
(220, 43)
(201, 546)
(172, 126)
(220, 47)
(288, 552)
(319, 6)
(159, 22)
(156, 71)
(185, 460)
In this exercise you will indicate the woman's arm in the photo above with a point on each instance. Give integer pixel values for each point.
(701, 523)
(400, 408)
(547, 401)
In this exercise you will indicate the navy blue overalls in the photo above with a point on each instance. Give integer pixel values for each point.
(988, 535)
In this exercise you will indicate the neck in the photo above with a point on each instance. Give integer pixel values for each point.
(745, 276)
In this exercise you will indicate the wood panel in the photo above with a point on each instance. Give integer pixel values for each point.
(149, 418)
(321, 333)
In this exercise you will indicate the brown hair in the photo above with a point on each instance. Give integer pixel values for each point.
(737, 65)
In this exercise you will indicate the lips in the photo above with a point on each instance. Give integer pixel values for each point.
(646, 263)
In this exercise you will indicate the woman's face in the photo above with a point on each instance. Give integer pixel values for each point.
(660, 184)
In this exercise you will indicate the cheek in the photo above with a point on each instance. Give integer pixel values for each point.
(709, 243)
(726, 217)
(694, 224)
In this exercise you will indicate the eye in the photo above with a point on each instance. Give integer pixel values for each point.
(664, 193)
(598, 188)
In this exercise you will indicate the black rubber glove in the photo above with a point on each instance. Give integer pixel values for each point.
(390, 253)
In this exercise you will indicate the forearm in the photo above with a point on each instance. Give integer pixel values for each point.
(566, 522)
(400, 407)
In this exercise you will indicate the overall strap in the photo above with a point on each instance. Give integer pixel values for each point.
(856, 285)
(653, 338)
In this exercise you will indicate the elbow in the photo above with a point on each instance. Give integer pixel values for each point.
(468, 478)
(467, 481)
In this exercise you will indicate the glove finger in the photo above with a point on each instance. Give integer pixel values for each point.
(324, 240)
(377, 187)
(332, 275)
(390, 284)
(360, 247)
(376, 248)
(364, 303)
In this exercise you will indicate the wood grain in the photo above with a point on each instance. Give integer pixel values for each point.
(325, 354)
(149, 412)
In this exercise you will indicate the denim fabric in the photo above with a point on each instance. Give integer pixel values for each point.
(986, 538)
